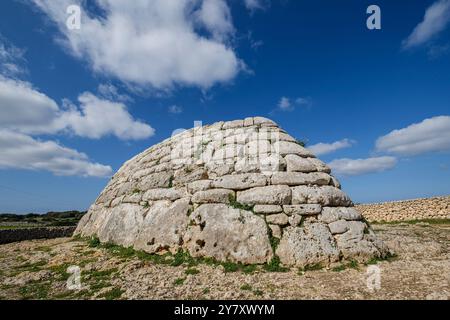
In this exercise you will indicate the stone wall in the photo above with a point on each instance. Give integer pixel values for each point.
(15, 235)
(417, 209)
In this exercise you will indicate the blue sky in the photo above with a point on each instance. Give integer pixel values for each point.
(76, 104)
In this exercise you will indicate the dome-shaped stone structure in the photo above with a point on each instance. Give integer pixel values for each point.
(227, 191)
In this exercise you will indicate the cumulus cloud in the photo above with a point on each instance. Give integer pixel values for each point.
(430, 135)
(285, 103)
(96, 118)
(27, 110)
(156, 43)
(436, 19)
(325, 148)
(174, 109)
(354, 167)
(19, 151)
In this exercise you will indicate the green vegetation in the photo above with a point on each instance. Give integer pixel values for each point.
(311, 267)
(179, 281)
(192, 271)
(32, 220)
(113, 294)
(246, 287)
(35, 290)
(275, 265)
(237, 205)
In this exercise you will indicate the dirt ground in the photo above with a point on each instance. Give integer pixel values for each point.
(38, 270)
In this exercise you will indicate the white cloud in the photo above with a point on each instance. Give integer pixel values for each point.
(19, 151)
(25, 109)
(353, 167)
(156, 43)
(110, 92)
(430, 135)
(174, 109)
(11, 59)
(97, 118)
(253, 5)
(436, 19)
(215, 16)
(285, 103)
(325, 148)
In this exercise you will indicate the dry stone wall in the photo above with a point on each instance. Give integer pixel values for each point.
(228, 191)
(417, 209)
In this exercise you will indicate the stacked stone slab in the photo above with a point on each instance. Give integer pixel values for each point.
(242, 191)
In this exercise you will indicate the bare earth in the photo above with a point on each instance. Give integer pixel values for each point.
(37, 270)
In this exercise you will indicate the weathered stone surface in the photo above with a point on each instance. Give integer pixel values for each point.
(324, 195)
(332, 214)
(284, 148)
(135, 197)
(121, 225)
(156, 180)
(240, 181)
(176, 195)
(162, 194)
(276, 231)
(296, 163)
(200, 185)
(295, 220)
(302, 209)
(226, 233)
(279, 219)
(299, 178)
(265, 195)
(307, 245)
(338, 227)
(213, 196)
(163, 227)
(267, 208)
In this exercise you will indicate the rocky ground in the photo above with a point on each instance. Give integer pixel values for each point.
(38, 270)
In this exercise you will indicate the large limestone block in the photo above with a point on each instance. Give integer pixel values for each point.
(213, 196)
(299, 178)
(285, 147)
(122, 224)
(296, 163)
(156, 180)
(162, 194)
(323, 195)
(267, 208)
(332, 214)
(225, 233)
(164, 227)
(200, 185)
(265, 195)
(313, 243)
(302, 209)
(240, 181)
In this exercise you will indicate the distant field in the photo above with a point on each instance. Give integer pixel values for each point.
(10, 221)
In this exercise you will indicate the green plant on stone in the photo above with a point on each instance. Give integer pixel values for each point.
(237, 205)
(275, 265)
(94, 242)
